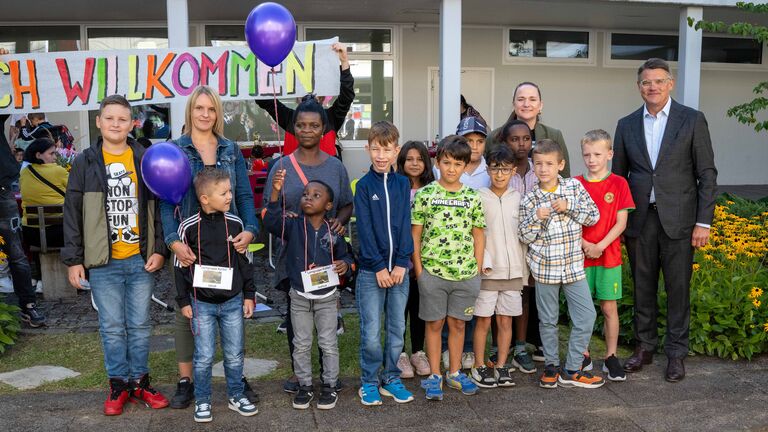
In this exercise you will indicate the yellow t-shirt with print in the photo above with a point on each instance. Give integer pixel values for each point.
(122, 203)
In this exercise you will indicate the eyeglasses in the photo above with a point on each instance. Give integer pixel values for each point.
(504, 171)
(657, 82)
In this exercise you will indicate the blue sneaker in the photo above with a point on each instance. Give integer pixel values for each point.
(433, 387)
(203, 412)
(461, 381)
(369, 395)
(395, 389)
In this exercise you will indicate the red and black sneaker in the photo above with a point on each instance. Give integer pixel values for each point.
(142, 391)
(118, 396)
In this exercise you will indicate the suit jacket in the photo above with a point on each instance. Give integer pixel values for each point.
(684, 179)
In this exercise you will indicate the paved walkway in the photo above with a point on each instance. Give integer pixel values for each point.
(77, 314)
(716, 395)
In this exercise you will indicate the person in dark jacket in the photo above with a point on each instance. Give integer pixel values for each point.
(112, 227)
(311, 243)
(386, 245)
(336, 114)
(217, 292)
(10, 232)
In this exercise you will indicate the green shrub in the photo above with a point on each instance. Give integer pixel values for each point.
(9, 325)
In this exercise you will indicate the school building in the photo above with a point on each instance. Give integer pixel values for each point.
(411, 59)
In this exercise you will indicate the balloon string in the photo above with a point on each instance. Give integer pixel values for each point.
(280, 149)
(177, 212)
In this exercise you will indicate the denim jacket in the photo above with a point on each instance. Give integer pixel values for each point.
(228, 158)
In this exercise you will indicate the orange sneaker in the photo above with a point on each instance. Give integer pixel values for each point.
(549, 378)
(580, 378)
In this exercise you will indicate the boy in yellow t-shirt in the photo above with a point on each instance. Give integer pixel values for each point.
(121, 243)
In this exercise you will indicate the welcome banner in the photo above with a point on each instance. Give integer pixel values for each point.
(79, 80)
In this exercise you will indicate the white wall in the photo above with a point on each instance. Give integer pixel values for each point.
(579, 98)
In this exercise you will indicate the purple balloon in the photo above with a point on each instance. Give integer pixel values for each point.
(166, 171)
(271, 32)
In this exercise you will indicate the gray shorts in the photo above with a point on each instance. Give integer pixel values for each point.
(439, 297)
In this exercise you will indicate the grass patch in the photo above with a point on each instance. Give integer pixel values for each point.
(82, 352)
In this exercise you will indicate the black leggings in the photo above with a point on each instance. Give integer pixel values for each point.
(416, 324)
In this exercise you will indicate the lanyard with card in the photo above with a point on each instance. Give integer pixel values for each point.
(315, 278)
(213, 277)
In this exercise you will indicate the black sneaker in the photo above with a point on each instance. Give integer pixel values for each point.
(503, 377)
(538, 354)
(340, 326)
(185, 394)
(30, 315)
(613, 369)
(303, 397)
(484, 377)
(291, 385)
(252, 396)
(282, 327)
(586, 364)
(328, 398)
(339, 386)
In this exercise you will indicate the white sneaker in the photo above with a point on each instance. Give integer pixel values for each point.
(406, 370)
(39, 287)
(467, 360)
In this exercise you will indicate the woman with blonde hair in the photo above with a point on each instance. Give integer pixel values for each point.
(205, 146)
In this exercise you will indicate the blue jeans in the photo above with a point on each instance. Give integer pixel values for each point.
(10, 231)
(581, 310)
(227, 318)
(371, 302)
(122, 290)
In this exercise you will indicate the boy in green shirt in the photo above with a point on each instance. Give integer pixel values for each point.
(447, 224)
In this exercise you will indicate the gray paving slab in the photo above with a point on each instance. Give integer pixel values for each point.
(31, 377)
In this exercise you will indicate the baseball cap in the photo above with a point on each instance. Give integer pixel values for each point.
(470, 124)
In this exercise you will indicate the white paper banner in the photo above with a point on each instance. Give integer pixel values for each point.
(79, 80)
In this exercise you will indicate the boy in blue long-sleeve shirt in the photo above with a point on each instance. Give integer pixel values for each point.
(386, 245)
(314, 252)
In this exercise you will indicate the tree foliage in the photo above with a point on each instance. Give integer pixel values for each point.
(747, 113)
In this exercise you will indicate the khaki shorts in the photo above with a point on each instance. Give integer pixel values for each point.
(508, 303)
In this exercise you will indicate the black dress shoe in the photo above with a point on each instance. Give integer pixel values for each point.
(675, 370)
(639, 358)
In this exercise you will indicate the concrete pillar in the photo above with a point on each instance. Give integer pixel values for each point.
(450, 66)
(178, 37)
(689, 59)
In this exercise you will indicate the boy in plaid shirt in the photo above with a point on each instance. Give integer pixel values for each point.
(551, 216)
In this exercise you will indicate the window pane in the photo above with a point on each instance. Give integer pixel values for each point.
(127, 38)
(149, 121)
(39, 39)
(643, 46)
(244, 121)
(551, 44)
(373, 97)
(224, 35)
(731, 50)
(358, 40)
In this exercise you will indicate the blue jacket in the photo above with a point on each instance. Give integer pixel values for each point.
(305, 245)
(383, 221)
(228, 158)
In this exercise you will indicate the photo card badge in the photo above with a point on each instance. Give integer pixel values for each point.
(319, 278)
(213, 277)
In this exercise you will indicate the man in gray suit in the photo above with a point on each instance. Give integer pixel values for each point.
(664, 151)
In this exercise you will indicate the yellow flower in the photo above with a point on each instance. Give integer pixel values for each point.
(755, 293)
(756, 302)
(765, 327)
(696, 267)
